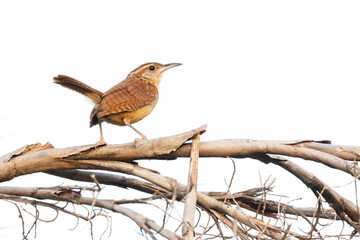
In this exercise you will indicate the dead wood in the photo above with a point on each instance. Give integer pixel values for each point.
(121, 159)
(191, 191)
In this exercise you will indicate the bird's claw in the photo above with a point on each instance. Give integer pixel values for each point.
(100, 143)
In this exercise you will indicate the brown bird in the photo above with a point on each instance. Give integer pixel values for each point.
(127, 102)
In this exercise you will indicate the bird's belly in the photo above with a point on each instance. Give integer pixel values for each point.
(131, 116)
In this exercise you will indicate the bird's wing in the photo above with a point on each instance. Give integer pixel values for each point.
(129, 95)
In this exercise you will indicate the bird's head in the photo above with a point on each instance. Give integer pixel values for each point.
(151, 72)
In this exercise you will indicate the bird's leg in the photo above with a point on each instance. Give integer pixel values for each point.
(127, 123)
(102, 140)
(142, 135)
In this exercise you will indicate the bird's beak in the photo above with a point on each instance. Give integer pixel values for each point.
(170, 65)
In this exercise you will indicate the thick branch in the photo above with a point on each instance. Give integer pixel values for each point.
(171, 148)
(55, 159)
(246, 148)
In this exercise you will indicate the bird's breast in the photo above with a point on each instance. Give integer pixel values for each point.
(131, 116)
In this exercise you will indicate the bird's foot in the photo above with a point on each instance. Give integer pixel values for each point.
(139, 140)
(100, 143)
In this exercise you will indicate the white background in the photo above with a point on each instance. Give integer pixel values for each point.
(280, 70)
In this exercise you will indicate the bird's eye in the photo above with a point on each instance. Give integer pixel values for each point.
(152, 68)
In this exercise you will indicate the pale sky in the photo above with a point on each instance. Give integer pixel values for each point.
(277, 70)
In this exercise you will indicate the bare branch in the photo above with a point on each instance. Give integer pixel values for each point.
(245, 199)
(63, 158)
(344, 208)
(171, 185)
(143, 222)
(190, 203)
(224, 206)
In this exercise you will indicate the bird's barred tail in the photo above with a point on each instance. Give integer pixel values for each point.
(79, 87)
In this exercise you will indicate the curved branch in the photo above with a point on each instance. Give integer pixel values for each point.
(246, 199)
(40, 193)
(344, 208)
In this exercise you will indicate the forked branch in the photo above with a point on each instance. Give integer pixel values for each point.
(120, 159)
